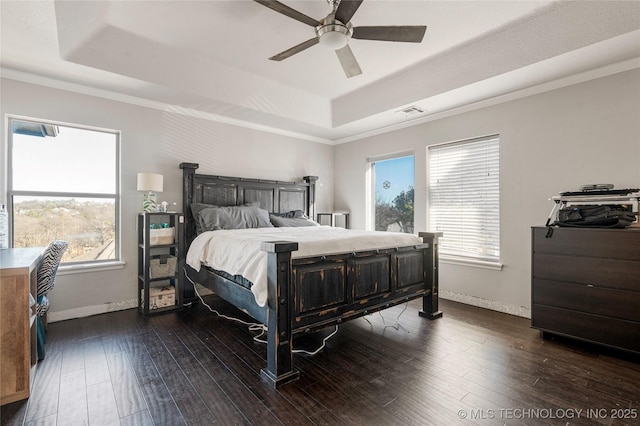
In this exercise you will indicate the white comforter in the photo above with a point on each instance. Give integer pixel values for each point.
(237, 252)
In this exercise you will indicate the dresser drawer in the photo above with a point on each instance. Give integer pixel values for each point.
(584, 298)
(621, 244)
(609, 273)
(593, 328)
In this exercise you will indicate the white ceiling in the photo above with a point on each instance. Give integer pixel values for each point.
(209, 58)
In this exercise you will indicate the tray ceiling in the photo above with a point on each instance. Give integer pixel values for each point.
(210, 58)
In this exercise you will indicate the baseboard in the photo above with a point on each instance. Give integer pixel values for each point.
(520, 311)
(87, 311)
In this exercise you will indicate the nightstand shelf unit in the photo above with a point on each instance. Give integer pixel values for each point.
(160, 262)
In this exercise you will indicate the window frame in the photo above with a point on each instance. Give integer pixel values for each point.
(68, 267)
(370, 211)
(458, 259)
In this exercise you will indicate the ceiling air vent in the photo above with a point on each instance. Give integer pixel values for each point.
(410, 111)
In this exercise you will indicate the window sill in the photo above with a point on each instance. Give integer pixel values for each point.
(82, 268)
(483, 264)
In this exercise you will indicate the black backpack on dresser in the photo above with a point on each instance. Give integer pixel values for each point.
(598, 216)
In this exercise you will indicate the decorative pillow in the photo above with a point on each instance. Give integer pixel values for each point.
(280, 221)
(233, 217)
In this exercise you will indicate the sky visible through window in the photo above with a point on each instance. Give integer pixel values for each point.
(393, 176)
(34, 158)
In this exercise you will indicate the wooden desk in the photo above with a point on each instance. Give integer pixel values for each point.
(18, 292)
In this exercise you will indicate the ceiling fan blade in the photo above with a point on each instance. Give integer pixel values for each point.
(287, 11)
(295, 49)
(348, 62)
(346, 9)
(405, 33)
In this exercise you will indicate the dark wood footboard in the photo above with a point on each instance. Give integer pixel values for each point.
(308, 294)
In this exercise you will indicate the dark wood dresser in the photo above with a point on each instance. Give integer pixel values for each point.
(586, 284)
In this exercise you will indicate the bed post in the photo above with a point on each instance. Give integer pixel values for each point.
(188, 170)
(279, 370)
(430, 302)
(311, 196)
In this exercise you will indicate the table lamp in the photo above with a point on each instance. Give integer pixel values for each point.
(149, 182)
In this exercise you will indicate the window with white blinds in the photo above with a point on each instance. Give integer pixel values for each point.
(464, 198)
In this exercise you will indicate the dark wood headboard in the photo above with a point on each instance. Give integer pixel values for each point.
(274, 196)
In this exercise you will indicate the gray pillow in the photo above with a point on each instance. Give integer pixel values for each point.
(279, 221)
(233, 217)
(196, 208)
(292, 213)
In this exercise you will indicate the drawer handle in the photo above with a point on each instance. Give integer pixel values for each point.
(590, 285)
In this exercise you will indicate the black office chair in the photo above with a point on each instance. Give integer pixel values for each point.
(47, 270)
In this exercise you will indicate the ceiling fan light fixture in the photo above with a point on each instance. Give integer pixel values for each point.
(333, 36)
(333, 40)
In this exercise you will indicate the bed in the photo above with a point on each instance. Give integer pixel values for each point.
(306, 294)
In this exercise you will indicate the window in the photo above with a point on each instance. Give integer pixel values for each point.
(63, 184)
(464, 198)
(393, 181)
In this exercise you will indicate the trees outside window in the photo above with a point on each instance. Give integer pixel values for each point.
(394, 194)
(63, 184)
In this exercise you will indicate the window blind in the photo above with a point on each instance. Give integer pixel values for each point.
(464, 197)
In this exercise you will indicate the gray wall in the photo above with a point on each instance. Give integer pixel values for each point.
(157, 141)
(550, 142)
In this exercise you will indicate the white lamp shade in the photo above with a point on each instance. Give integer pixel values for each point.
(150, 182)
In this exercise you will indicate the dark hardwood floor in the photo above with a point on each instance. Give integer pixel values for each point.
(473, 366)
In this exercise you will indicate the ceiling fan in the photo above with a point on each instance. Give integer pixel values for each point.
(335, 30)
